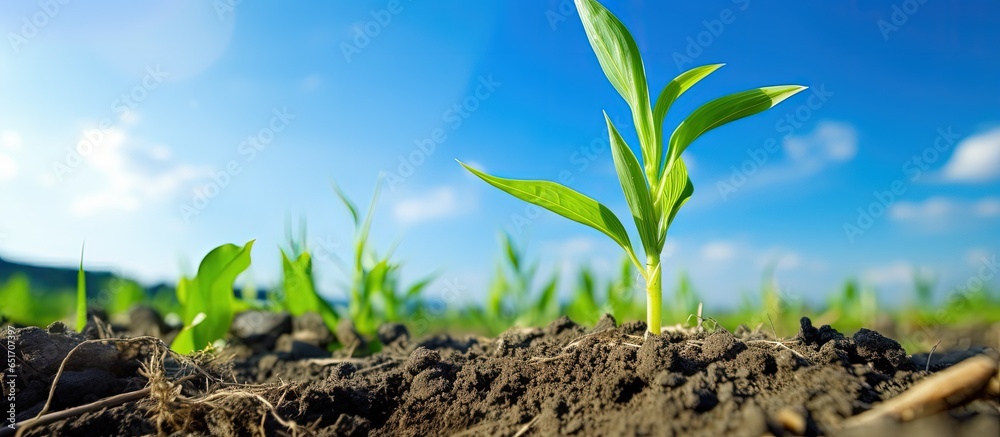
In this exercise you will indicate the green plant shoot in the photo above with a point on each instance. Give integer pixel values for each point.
(81, 295)
(207, 299)
(656, 187)
(300, 290)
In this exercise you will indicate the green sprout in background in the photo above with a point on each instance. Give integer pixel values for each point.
(298, 283)
(207, 300)
(375, 291)
(511, 298)
(656, 188)
(81, 296)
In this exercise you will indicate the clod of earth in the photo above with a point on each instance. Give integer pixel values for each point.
(562, 379)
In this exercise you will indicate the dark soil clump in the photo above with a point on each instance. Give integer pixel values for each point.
(558, 380)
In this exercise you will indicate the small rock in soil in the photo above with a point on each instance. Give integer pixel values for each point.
(145, 321)
(44, 351)
(310, 328)
(349, 337)
(810, 335)
(559, 325)
(420, 359)
(698, 397)
(635, 327)
(299, 350)
(885, 354)
(669, 379)
(837, 351)
(721, 345)
(390, 333)
(260, 329)
(90, 330)
(606, 322)
(428, 384)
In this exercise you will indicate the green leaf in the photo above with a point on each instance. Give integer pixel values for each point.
(677, 189)
(724, 110)
(672, 91)
(300, 290)
(210, 293)
(494, 298)
(547, 297)
(634, 186)
(348, 204)
(565, 202)
(583, 306)
(622, 64)
(413, 293)
(81, 296)
(513, 257)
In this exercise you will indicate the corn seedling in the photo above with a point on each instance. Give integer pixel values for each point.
(511, 298)
(81, 296)
(298, 286)
(583, 306)
(374, 288)
(207, 300)
(657, 187)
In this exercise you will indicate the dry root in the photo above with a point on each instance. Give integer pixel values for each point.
(953, 387)
(163, 397)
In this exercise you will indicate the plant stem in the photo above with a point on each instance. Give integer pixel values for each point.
(654, 293)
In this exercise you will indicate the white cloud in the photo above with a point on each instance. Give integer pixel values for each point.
(8, 167)
(830, 142)
(718, 251)
(895, 273)
(10, 144)
(439, 203)
(976, 159)
(10, 140)
(311, 82)
(123, 183)
(988, 207)
(572, 247)
(670, 247)
(934, 208)
(976, 256)
(941, 213)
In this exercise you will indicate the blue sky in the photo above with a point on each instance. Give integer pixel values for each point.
(155, 131)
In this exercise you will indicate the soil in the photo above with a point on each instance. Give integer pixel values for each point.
(563, 379)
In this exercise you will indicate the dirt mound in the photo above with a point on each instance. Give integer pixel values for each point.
(558, 380)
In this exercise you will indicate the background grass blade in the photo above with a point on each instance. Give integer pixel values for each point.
(81, 295)
(300, 290)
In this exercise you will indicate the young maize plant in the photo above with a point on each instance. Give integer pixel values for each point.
(657, 187)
